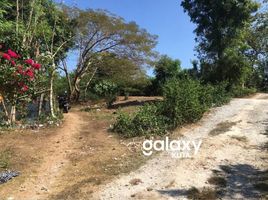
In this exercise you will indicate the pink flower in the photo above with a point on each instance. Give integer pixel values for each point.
(12, 54)
(6, 56)
(30, 73)
(13, 63)
(20, 70)
(29, 61)
(36, 66)
(20, 84)
(24, 88)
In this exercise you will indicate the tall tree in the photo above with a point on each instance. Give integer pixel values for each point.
(220, 32)
(99, 32)
(165, 68)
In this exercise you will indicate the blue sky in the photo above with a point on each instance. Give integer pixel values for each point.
(164, 18)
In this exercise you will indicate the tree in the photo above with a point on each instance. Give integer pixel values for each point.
(41, 30)
(165, 69)
(258, 42)
(17, 79)
(221, 35)
(125, 73)
(100, 32)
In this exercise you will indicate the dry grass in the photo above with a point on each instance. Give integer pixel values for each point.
(218, 181)
(222, 128)
(204, 194)
(5, 157)
(240, 138)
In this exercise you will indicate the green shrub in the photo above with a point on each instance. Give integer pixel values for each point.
(238, 91)
(220, 94)
(147, 121)
(182, 102)
(206, 96)
(185, 101)
(123, 125)
(108, 90)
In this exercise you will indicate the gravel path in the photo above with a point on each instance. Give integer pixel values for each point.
(235, 154)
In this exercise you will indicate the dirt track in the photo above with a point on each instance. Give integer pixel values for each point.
(234, 149)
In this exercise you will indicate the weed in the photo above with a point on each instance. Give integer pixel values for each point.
(218, 181)
(222, 128)
(5, 159)
(204, 194)
(240, 138)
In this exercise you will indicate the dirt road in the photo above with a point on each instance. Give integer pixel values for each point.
(231, 164)
(57, 148)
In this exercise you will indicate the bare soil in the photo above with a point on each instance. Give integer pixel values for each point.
(66, 162)
(81, 159)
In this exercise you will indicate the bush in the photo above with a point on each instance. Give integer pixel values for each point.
(124, 125)
(238, 91)
(147, 121)
(206, 96)
(182, 102)
(108, 90)
(220, 94)
(185, 101)
(150, 121)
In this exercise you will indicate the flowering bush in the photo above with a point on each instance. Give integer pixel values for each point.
(16, 75)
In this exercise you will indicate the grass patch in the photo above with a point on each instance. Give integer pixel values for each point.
(218, 181)
(240, 138)
(222, 128)
(5, 157)
(204, 194)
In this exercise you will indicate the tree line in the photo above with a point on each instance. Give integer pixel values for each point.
(112, 54)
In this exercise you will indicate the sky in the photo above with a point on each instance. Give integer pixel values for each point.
(164, 18)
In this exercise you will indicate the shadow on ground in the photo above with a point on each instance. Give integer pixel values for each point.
(231, 182)
(132, 103)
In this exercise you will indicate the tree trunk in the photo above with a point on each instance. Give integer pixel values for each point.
(51, 93)
(13, 114)
(5, 111)
(17, 17)
(40, 104)
(65, 69)
(75, 94)
(87, 85)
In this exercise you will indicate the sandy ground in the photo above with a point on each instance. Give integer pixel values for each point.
(233, 140)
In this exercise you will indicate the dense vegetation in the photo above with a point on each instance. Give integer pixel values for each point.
(38, 36)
